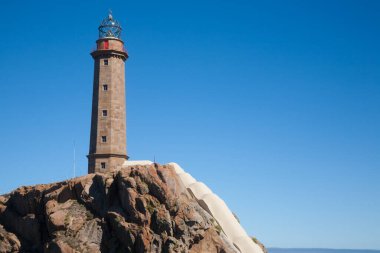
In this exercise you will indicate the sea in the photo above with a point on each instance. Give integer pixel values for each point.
(278, 250)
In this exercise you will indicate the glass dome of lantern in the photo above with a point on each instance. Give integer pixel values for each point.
(109, 28)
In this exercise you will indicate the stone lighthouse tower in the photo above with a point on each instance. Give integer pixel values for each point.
(108, 142)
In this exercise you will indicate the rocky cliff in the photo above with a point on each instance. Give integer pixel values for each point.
(136, 209)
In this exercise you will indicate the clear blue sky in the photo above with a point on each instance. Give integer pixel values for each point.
(273, 104)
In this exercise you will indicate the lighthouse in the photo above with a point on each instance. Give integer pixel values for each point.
(108, 141)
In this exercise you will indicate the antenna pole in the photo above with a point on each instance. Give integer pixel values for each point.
(74, 161)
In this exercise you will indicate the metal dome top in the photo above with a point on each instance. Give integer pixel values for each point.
(109, 28)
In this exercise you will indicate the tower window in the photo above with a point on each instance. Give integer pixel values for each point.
(104, 138)
(105, 113)
(105, 87)
(103, 165)
(105, 62)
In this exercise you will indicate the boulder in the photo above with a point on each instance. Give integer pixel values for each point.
(8, 241)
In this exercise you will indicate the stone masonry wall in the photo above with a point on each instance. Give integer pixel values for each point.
(108, 112)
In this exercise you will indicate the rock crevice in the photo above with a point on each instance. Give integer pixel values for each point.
(136, 209)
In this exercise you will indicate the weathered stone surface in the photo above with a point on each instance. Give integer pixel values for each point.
(8, 241)
(136, 209)
(59, 247)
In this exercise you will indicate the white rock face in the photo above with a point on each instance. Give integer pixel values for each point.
(137, 162)
(219, 210)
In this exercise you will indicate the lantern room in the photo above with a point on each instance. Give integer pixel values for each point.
(110, 38)
(109, 28)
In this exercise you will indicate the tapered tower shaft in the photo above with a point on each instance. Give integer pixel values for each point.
(108, 142)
